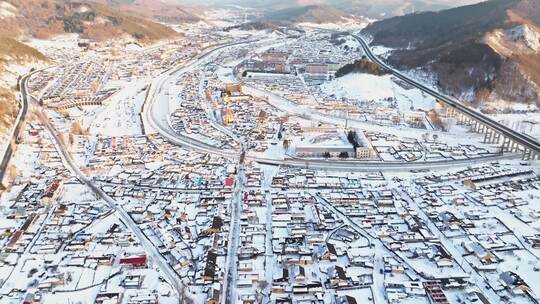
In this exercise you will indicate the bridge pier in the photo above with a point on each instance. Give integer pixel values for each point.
(527, 154)
(475, 127)
(488, 136)
(451, 112)
(461, 119)
(506, 144)
(497, 138)
(482, 128)
(515, 147)
(492, 135)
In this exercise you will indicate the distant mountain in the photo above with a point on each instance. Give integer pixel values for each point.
(256, 26)
(309, 13)
(380, 9)
(12, 55)
(367, 8)
(480, 52)
(96, 21)
(162, 11)
(46, 18)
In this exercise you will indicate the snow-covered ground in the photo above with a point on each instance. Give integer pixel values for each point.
(65, 42)
(345, 24)
(7, 10)
(167, 171)
(525, 123)
(371, 87)
(351, 43)
(121, 116)
(381, 51)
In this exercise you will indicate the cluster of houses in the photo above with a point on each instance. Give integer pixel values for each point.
(81, 85)
(307, 178)
(314, 56)
(479, 209)
(136, 162)
(57, 236)
(389, 147)
(191, 115)
(91, 82)
(321, 258)
(296, 69)
(305, 236)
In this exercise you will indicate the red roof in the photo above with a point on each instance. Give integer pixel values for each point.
(229, 181)
(134, 261)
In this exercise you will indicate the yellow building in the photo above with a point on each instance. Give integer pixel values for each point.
(229, 117)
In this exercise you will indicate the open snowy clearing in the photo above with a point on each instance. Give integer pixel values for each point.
(371, 87)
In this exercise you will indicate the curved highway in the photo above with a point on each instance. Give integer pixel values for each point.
(151, 119)
(19, 123)
(522, 139)
(160, 125)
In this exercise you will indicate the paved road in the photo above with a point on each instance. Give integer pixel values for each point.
(380, 250)
(162, 264)
(19, 123)
(151, 116)
(231, 266)
(520, 138)
(449, 245)
(369, 166)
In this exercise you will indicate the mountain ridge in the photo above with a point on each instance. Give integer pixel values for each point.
(315, 13)
(94, 20)
(366, 8)
(463, 49)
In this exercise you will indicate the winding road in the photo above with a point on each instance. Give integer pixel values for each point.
(522, 139)
(172, 276)
(16, 130)
(155, 119)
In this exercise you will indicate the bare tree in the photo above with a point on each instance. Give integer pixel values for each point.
(12, 172)
(76, 128)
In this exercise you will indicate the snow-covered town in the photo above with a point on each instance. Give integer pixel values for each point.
(246, 165)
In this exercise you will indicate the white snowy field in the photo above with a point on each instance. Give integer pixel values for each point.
(528, 123)
(343, 24)
(371, 87)
(57, 46)
(121, 116)
(452, 138)
(381, 51)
